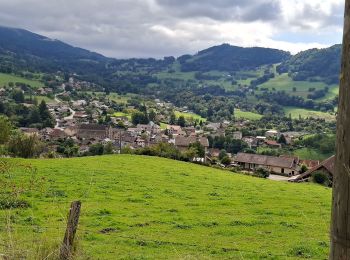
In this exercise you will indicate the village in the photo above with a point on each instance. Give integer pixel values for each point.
(85, 126)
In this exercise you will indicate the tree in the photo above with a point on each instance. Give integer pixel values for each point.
(181, 121)
(152, 115)
(96, 149)
(172, 119)
(340, 234)
(282, 140)
(68, 148)
(226, 160)
(5, 129)
(18, 96)
(139, 118)
(46, 118)
(34, 116)
(199, 149)
(26, 146)
(222, 154)
(303, 168)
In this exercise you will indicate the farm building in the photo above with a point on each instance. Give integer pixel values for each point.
(327, 166)
(287, 166)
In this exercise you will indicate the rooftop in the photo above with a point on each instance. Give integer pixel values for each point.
(265, 160)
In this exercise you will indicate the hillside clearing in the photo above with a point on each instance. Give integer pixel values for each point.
(311, 154)
(5, 79)
(305, 113)
(247, 115)
(284, 82)
(188, 116)
(141, 207)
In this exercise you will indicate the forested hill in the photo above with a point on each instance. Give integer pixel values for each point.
(21, 50)
(23, 41)
(314, 65)
(232, 58)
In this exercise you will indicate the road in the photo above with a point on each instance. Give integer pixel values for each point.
(275, 177)
(70, 117)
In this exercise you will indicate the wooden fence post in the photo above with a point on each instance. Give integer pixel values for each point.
(66, 250)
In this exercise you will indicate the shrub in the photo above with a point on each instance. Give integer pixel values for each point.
(303, 168)
(226, 160)
(321, 177)
(262, 173)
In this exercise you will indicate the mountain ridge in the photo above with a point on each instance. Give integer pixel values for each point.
(23, 50)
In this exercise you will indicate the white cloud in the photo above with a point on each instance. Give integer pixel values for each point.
(156, 28)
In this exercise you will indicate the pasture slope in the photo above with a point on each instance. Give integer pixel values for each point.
(136, 207)
(5, 79)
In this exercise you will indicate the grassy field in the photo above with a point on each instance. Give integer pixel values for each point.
(123, 99)
(304, 113)
(176, 75)
(128, 115)
(163, 126)
(312, 154)
(247, 115)
(190, 116)
(148, 207)
(6, 78)
(47, 99)
(284, 82)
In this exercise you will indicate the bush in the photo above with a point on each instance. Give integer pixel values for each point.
(226, 160)
(321, 177)
(303, 168)
(24, 146)
(262, 173)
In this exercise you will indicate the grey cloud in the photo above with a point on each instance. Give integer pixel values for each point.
(125, 28)
(311, 14)
(235, 10)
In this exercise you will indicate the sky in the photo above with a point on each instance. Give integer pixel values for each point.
(158, 28)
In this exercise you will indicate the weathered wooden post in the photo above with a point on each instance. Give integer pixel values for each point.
(66, 250)
(340, 224)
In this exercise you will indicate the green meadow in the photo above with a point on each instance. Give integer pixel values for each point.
(284, 82)
(247, 115)
(121, 99)
(305, 113)
(5, 79)
(188, 115)
(128, 115)
(45, 98)
(136, 207)
(311, 154)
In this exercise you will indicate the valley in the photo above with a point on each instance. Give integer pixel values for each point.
(172, 157)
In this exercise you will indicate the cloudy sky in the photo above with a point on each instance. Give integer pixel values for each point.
(157, 28)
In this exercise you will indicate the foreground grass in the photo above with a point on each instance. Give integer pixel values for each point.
(147, 207)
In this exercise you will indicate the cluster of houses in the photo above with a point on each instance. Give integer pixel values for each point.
(87, 134)
(74, 122)
(145, 135)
